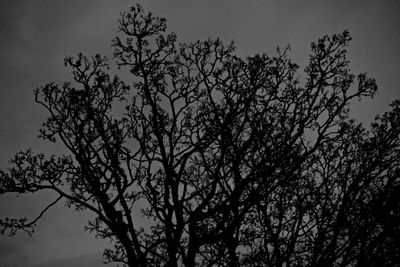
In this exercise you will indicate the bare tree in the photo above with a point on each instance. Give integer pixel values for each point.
(232, 161)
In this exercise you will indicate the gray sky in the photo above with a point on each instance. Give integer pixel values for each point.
(36, 35)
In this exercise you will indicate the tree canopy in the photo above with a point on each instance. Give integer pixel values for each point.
(230, 161)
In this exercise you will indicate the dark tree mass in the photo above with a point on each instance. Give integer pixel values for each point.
(218, 160)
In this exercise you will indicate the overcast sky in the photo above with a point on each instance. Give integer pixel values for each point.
(36, 35)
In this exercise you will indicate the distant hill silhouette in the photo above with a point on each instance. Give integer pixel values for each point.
(86, 260)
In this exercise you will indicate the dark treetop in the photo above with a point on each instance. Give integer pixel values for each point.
(232, 162)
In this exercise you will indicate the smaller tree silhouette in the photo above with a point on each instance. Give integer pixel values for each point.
(233, 162)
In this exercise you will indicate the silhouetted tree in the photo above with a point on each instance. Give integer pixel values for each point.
(233, 162)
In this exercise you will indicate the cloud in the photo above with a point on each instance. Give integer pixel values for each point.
(12, 252)
(8, 249)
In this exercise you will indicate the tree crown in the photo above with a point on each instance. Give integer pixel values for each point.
(234, 162)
